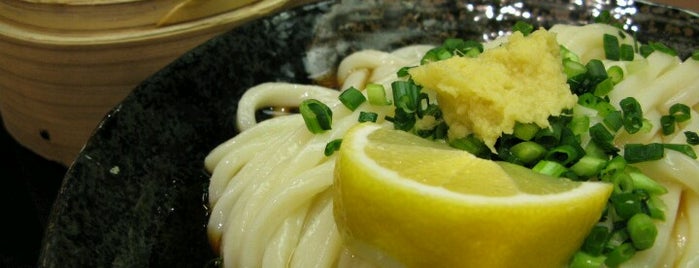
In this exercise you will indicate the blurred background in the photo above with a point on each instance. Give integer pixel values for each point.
(32, 175)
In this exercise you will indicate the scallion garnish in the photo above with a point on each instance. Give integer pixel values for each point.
(667, 124)
(596, 71)
(680, 112)
(682, 148)
(332, 146)
(523, 27)
(620, 254)
(551, 168)
(471, 144)
(695, 55)
(632, 114)
(601, 136)
(616, 74)
(603, 88)
(627, 204)
(563, 154)
(528, 152)
(588, 166)
(403, 72)
(525, 131)
(645, 183)
(352, 98)
(657, 46)
(611, 47)
(367, 117)
(626, 52)
(692, 137)
(642, 231)
(634, 152)
(316, 115)
(405, 95)
(376, 94)
(596, 241)
(613, 120)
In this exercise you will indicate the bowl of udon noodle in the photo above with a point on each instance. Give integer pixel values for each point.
(183, 173)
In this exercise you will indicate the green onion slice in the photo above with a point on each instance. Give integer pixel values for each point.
(352, 98)
(367, 117)
(316, 115)
(332, 146)
(680, 112)
(611, 47)
(634, 152)
(632, 113)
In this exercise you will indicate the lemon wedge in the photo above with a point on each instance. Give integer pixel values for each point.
(403, 201)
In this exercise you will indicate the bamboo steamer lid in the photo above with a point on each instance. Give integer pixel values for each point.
(65, 63)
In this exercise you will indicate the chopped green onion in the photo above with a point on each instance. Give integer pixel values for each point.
(367, 117)
(523, 27)
(626, 52)
(645, 183)
(682, 148)
(695, 55)
(579, 124)
(657, 46)
(642, 231)
(573, 68)
(596, 71)
(656, 207)
(620, 254)
(622, 181)
(563, 154)
(403, 71)
(603, 17)
(585, 260)
(667, 124)
(646, 50)
(632, 114)
(603, 88)
(616, 74)
(525, 131)
(617, 163)
(611, 47)
(471, 144)
(588, 166)
(680, 112)
(604, 108)
(402, 120)
(692, 137)
(634, 152)
(352, 98)
(332, 146)
(618, 237)
(567, 54)
(528, 151)
(405, 95)
(596, 240)
(316, 115)
(626, 204)
(376, 94)
(613, 120)
(550, 168)
(588, 100)
(601, 136)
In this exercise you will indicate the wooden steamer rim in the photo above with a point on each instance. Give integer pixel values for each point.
(65, 63)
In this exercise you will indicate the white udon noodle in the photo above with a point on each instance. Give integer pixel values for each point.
(269, 192)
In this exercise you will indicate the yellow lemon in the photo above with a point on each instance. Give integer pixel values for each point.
(404, 201)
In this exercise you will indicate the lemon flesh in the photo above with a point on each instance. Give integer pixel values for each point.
(404, 201)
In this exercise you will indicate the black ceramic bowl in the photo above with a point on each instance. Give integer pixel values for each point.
(136, 195)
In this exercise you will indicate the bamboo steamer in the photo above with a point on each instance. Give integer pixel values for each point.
(65, 63)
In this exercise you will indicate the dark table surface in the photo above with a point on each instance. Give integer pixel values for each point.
(29, 186)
